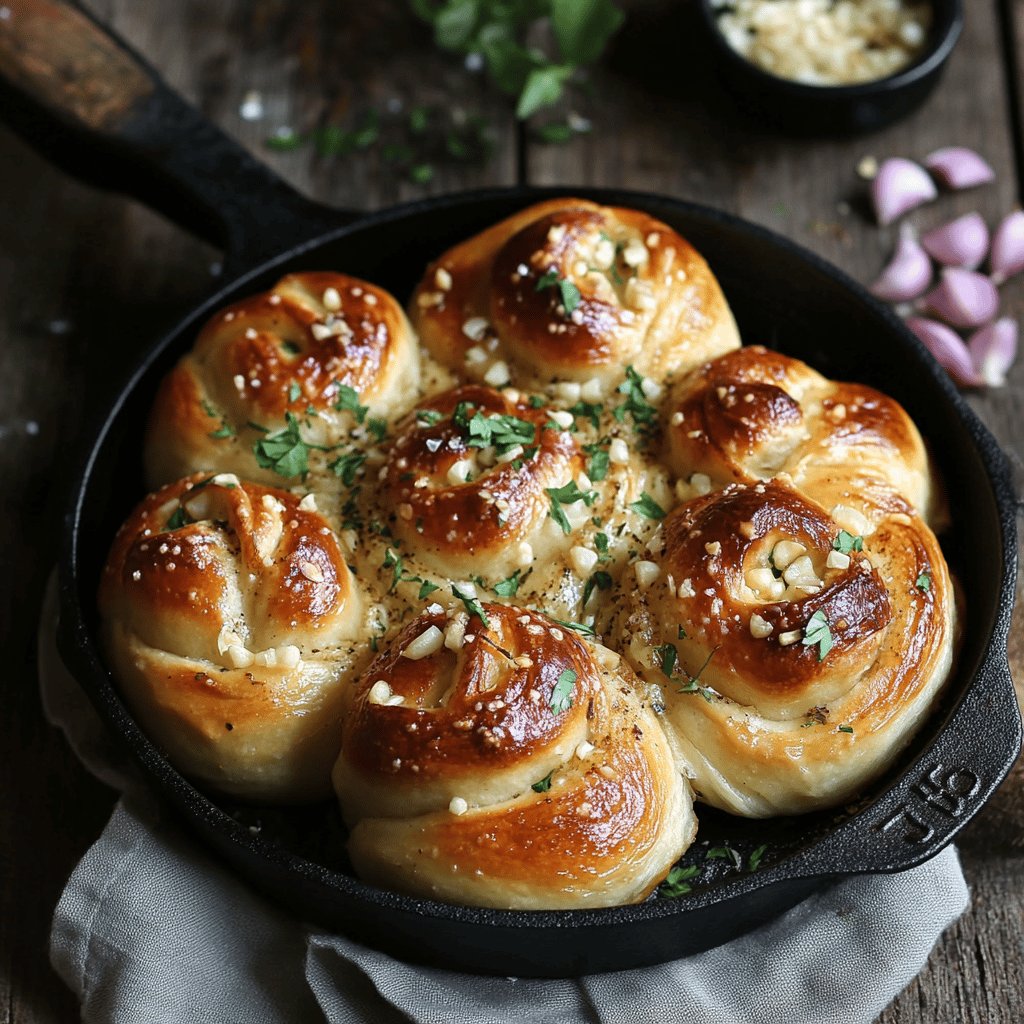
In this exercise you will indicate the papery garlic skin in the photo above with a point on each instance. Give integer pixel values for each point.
(958, 167)
(993, 349)
(899, 186)
(906, 275)
(1007, 255)
(948, 348)
(960, 243)
(963, 298)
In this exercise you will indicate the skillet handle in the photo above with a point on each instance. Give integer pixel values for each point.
(82, 97)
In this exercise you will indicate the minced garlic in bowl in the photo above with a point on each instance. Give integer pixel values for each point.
(826, 42)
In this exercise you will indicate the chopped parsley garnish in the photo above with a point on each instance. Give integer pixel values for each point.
(845, 542)
(681, 633)
(294, 391)
(224, 430)
(591, 410)
(561, 694)
(636, 404)
(601, 580)
(924, 582)
(667, 656)
(503, 432)
(568, 293)
(378, 427)
(601, 543)
(816, 632)
(648, 507)
(597, 466)
(754, 860)
(348, 401)
(723, 853)
(393, 561)
(544, 785)
(846, 728)
(178, 518)
(536, 401)
(677, 882)
(472, 605)
(579, 627)
(568, 494)
(508, 587)
(427, 417)
(692, 685)
(284, 451)
(426, 589)
(348, 466)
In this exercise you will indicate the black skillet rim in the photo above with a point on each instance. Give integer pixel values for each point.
(81, 654)
(944, 37)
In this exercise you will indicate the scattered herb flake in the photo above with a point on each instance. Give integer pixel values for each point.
(754, 860)
(427, 417)
(294, 391)
(600, 580)
(508, 587)
(472, 605)
(648, 507)
(667, 656)
(284, 451)
(378, 427)
(816, 632)
(178, 518)
(845, 542)
(677, 882)
(348, 401)
(544, 785)
(348, 466)
(597, 466)
(846, 728)
(561, 694)
(426, 589)
(924, 582)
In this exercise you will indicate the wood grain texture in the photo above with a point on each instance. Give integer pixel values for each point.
(86, 278)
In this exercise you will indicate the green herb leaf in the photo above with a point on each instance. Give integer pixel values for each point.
(178, 518)
(421, 174)
(648, 507)
(583, 29)
(845, 542)
(754, 860)
(924, 582)
(294, 391)
(225, 430)
(284, 140)
(667, 655)
(428, 417)
(846, 728)
(676, 883)
(578, 627)
(561, 694)
(378, 427)
(601, 580)
(568, 293)
(543, 87)
(427, 588)
(597, 464)
(348, 401)
(508, 587)
(636, 404)
(472, 605)
(566, 495)
(601, 543)
(284, 451)
(348, 466)
(692, 685)
(592, 410)
(544, 785)
(816, 632)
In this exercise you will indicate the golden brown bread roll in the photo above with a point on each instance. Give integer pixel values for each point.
(321, 352)
(795, 660)
(508, 765)
(570, 290)
(230, 620)
(755, 414)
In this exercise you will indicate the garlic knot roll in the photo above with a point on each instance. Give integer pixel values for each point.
(498, 760)
(570, 290)
(319, 354)
(755, 414)
(796, 660)
(230, 622)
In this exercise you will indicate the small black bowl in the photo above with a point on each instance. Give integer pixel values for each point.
(836, 109)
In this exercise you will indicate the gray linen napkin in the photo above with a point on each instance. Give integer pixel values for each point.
(151, 929)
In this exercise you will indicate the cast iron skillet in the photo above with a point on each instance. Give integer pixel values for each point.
(90, 103)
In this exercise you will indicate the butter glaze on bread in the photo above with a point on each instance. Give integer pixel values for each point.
(645, 297)
(441, 755)
(231, 621)
(277, 354)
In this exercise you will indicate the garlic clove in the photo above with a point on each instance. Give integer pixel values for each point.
(957, 167)
(907, 274)
(993, 349)
(963, 298)
(899, 186)
(960, 243)
(948, 348)
(1007, 256)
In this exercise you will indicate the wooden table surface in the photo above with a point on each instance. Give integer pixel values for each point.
(86, 276)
